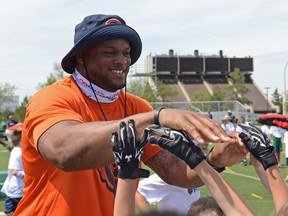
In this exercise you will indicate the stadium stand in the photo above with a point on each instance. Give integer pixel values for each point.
(189, 73)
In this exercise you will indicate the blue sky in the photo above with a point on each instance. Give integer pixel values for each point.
(36, 34)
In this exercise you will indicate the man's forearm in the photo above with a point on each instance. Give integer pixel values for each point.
(74, 146)
(173, 170)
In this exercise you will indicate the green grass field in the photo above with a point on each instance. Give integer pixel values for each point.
(242, 178)
(247, 183)
(4, 157)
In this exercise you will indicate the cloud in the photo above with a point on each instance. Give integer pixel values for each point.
(36, 34)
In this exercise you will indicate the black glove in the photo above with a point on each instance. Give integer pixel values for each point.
(178, 144)
(258, 145)
(128, 153)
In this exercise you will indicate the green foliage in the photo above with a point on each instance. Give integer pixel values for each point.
(7, 91)
(238, 89)
(21, 110)
(19, 113)
(142, 88)
(277, 99)
(165, 91)
(57, 74)
(217, 95)
(201, 94)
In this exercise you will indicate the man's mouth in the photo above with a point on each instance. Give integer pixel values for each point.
(118, 71)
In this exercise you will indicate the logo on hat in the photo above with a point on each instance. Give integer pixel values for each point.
(112, 20)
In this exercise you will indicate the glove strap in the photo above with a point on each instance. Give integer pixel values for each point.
(156, 115)
(218, 169)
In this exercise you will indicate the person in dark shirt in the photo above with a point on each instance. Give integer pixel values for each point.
(11, 120)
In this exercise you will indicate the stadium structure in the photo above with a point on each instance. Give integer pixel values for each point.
(186, 74)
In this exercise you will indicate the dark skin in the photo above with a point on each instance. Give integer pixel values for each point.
(107, 64)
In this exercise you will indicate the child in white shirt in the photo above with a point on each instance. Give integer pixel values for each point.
(14, 183)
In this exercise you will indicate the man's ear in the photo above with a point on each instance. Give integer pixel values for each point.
(80, 58)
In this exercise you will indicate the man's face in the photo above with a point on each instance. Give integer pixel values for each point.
(108, 64)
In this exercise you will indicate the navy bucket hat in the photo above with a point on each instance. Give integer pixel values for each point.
(98, 28)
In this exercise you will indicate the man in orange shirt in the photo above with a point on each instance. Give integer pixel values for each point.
(67, 156)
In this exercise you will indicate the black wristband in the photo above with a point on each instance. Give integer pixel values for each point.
(156, 115)
(218, 169)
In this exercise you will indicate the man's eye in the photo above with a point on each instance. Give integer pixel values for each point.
(127, 54)
(108, 53)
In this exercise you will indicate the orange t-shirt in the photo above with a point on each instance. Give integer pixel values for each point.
(49, 190)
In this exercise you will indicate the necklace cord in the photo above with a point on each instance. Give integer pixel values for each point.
(94, 92)
(91, 86)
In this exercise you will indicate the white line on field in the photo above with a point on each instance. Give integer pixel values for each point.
(229, 171)
(3, 151)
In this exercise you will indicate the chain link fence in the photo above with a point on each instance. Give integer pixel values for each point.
(218, 108)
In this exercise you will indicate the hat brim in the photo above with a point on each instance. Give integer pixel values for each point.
(99, 35)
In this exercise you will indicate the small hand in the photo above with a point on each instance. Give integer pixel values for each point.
(228, 153)
(127, 152)
(258, 144)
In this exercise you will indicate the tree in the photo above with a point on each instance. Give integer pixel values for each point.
(200, 95)
(7, 92)
(164, 91)
(54, 76)
(238, 89)
(141, 87)
(57, 74)
(218, 95)
(20, 112)
(277, 99)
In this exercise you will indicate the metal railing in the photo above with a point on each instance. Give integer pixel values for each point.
(218, 108)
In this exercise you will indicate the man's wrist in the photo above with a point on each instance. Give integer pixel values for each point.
(218, 169)
(156, 115)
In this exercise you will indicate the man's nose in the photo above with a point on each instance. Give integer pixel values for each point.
(121, 59)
